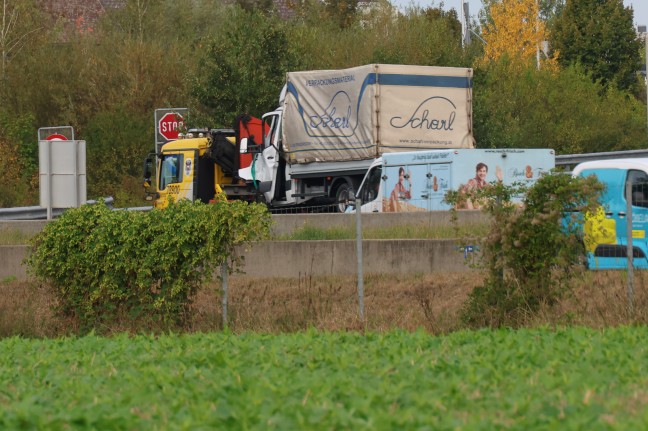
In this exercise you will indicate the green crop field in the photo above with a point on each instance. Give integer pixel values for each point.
(565, 379)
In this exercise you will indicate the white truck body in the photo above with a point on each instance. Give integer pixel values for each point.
(331, 125)
(429, 175)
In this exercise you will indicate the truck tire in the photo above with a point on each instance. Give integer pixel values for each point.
(342, 196)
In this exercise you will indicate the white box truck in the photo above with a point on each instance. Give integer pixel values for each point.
(419, 180)
(331, 125)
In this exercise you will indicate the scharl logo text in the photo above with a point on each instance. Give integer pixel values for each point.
(336, 116)
(434, 113)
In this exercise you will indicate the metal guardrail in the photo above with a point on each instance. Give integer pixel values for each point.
(28, 213)
(570, 160)
(39, 213)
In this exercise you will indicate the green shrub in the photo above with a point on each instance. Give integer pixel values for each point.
(533, 251)
(104, 265)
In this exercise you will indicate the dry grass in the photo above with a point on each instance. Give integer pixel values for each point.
(429, 301)
(26, 310)
(14, 237)
(331, 303)
(601, 300)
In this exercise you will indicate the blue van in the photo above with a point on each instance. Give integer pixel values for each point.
(605, 232)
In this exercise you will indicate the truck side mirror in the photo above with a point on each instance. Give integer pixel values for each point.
(248, 147)
(148, 171)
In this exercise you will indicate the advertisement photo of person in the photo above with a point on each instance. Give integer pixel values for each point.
(478, 182)
(401, 191)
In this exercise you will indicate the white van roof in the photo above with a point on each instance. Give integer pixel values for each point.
(637, 163)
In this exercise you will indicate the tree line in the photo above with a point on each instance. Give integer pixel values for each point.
(582, 94)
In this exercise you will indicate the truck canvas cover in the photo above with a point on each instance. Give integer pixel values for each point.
(362, 112)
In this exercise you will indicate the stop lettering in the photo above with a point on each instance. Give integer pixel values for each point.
(170, 125)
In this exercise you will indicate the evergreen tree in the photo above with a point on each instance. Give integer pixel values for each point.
(243, 69)
(599, 35)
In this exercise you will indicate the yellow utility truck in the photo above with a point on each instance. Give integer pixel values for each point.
(202, 165)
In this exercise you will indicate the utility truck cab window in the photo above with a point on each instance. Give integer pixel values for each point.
(639, 181)
(170, 171)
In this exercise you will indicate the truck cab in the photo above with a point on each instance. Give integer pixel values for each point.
(606, 231)
(266, 163)
(283, 184)
(196, 167)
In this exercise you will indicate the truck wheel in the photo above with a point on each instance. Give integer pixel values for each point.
(342, 197)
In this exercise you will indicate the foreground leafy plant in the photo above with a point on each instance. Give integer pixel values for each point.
(533, 379)
(103, 264)
(533, 250)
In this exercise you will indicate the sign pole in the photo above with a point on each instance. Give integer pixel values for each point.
(49, 180)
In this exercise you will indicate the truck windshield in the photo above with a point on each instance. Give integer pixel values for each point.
(370, 189)
(169, 172)
(274, 129)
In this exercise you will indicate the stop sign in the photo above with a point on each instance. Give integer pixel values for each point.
(169, 125)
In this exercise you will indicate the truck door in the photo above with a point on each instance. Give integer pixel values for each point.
(405, 188)
(268, 170)
(176, 177)
(420, 178)
(437, 184)
(639, 194)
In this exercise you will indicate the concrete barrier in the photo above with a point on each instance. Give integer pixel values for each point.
(299, 258)
(294, 258)
(26, 227)
(405, 256)
(285, 224)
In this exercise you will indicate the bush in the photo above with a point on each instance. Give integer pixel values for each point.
(533, 251)
(18, 160)
(105, 264)
(123, 138)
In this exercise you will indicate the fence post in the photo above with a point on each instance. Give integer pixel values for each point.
(359, 253)
(224, 288)
(629, 250)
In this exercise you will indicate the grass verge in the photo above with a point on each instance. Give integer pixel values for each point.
(432, 302)
(313, 233)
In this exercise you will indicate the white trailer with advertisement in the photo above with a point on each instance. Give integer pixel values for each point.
(418, 181)
(332, 125)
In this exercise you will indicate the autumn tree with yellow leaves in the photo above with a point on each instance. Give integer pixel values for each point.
(516, 31)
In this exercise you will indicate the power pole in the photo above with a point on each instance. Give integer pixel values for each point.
(465, 18)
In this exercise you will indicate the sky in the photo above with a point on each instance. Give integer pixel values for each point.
(640, 7)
